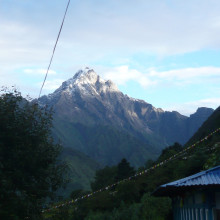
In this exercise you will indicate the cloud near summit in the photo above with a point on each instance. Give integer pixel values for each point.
(152, 77)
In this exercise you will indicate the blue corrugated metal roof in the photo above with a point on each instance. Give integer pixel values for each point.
(204, 178)
(211, 176)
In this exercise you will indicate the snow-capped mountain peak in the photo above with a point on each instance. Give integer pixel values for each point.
(87, 82)
(85, 75)
(89, 100)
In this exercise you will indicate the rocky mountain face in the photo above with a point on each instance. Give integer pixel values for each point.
(94, 117)
(210, 125)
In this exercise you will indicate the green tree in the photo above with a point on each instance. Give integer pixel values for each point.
(124, 170)
(170, 151)
(123, 212)
(128, 192)
(104, 177)
(156, 208)
(214, 158)
(30, 170)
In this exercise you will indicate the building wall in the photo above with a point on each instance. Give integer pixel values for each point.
(197, 205)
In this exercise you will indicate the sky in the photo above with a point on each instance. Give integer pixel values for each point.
(166, 52)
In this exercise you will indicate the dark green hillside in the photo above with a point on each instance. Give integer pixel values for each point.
(81, 170)
(212, 123)
(132, 199)
(104, 144)
(97, 142)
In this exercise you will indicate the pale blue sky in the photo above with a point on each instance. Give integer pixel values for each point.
(166, 52)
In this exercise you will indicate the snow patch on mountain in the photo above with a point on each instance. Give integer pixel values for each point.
(87, 82)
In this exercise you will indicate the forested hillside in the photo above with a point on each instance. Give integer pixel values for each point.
(93, 116)
(104, 144)
(212, 123)
(131, 199)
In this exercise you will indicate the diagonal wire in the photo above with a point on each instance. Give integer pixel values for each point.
(51, 59)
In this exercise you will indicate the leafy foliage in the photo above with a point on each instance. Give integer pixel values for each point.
(29, 166)
(124, 170)
(156, 208)
(169, 151)
(104, 177)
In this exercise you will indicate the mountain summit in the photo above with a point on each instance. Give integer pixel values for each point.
(87, 82)
(91, 100)
(94, 117)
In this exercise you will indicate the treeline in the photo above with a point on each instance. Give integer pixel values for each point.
(132, 199)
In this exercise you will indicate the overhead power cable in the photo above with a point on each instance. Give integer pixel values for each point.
(174, 157)
(58, 36)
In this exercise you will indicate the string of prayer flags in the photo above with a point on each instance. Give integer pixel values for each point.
(137, 174)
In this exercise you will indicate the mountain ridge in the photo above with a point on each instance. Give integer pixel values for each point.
(94, 103)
